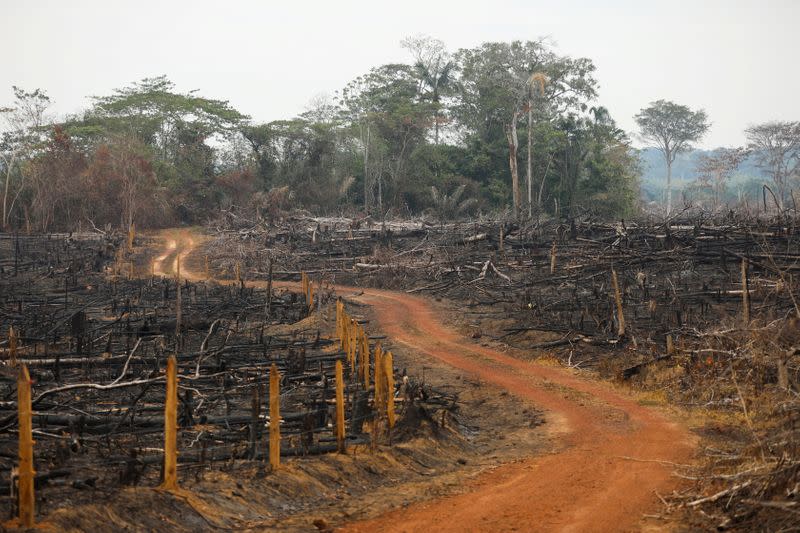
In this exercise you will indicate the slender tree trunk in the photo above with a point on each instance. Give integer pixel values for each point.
(541, 183)
(669, 186)
(9, 167)
(529, 174)
(366, 172)
(436, 120)
(380, 194)
(5, 196)
(513, 145)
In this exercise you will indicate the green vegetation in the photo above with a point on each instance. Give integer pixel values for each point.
(458, 124)
(672, 129)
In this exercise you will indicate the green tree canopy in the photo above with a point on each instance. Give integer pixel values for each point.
(671, 128)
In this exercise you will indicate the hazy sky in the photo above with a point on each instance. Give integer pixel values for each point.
(736, 59)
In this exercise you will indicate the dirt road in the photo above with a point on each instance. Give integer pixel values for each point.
(614, 456)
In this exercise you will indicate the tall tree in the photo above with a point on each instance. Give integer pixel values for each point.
(55, 191)
(24, 120)
(776, 147)
(536, 85)
(495, 83)
(383, 106)
(260, 138)
(182, 132)
(120, 176)
(435, 70)
(672, 129)
(154, 111)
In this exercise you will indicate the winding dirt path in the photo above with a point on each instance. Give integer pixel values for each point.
(614, 458)
(616, 454)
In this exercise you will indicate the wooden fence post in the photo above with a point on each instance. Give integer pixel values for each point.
(618, 299)
(351, 340)
(171, 427)
(349, 336)
(26, 472)
(274, 418)
(12, 346)
(364, 359)
(379, 379)
(345, 335)
(339, 320)
(339, 407)
(341, 329)
(388, 371)
(345, 320)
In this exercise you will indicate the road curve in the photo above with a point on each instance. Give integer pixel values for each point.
(616, 454)
(613, 459)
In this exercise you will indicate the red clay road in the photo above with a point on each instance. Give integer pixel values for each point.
(613, 455)
(616, 453)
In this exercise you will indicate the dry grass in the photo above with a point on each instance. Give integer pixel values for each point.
(748, 478)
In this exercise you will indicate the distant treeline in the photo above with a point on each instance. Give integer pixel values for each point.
(450, 133)
(503, 126)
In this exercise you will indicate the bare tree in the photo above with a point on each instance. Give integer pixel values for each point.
(671, 128)
(513, 146)
(776, 147)
(715, 169)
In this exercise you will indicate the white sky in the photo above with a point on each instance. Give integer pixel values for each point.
(736, 59)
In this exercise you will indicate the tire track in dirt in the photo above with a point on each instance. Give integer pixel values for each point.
(613, 460)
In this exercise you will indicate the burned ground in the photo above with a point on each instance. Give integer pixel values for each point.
(87, 315)
(95, 326)
(691, 339)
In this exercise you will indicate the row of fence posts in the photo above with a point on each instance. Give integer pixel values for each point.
(353, 340)
(355, 344)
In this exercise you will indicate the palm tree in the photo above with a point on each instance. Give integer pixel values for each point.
(536, 83)
(438, 80)
(450, 206)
